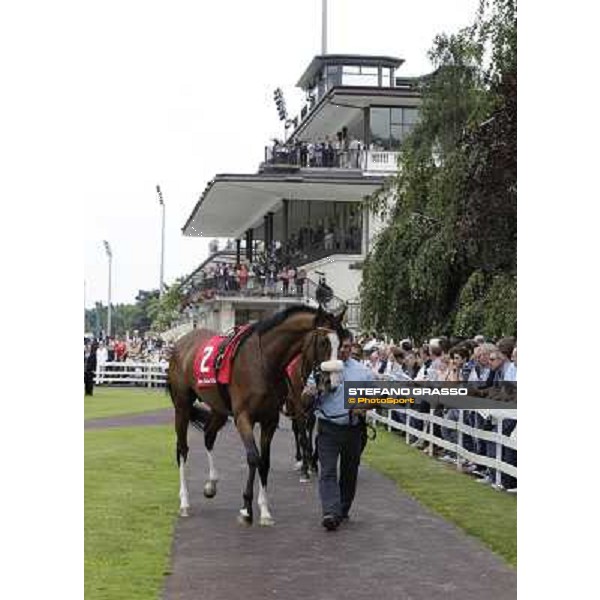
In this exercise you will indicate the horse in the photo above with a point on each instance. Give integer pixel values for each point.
(253, 394)
(300, 408)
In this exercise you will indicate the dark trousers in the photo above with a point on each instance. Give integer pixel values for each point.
(344, 443)
(88, 381)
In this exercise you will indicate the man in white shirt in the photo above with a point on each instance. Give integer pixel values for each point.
(101, 358)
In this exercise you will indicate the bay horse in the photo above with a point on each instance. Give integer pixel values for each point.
(254, 394)
(300, 407)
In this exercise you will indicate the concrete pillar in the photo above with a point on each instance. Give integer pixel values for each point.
(285, 226)
(266, 233)
(365, 231)
(249, 244)
(270, 222)
(227, 315)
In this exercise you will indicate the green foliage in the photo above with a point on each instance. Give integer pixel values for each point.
(165, 310)
(148, 313)
(452, 205)
(487, 305)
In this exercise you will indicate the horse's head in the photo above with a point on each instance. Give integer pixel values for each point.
(321, 352)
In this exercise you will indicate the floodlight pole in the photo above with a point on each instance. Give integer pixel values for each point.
(109, 319)
(323, 27)
(162, 244)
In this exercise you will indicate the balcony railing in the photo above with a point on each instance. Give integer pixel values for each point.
(381, 161)
(330, 158)
(304, 291)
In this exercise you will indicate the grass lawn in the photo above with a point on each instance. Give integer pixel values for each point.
(131, 503)
(479, 510)
(108, 402)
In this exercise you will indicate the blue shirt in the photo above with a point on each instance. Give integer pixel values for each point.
(330, 407)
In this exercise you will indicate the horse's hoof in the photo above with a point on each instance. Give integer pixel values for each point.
(267, 521)
(244, 518)
(305, 478)
(184, 511)
(210, 489)
(298, 465)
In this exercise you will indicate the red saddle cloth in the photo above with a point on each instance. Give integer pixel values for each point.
(289, 370)
(204, 362)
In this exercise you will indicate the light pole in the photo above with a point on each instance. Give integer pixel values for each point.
(323, 26)
(109, 254)
(162, 244)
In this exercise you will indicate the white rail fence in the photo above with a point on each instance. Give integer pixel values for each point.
(147, 374)
(429, 419)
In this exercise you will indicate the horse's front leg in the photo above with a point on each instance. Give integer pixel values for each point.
(266, 436)
(245, 429)
(303, 437)
(296, 430)
(182, 451)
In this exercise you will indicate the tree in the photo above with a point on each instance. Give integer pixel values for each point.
(446, 263)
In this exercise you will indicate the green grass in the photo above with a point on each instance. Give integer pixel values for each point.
(108, 402)
(482, 512)
(131, 502)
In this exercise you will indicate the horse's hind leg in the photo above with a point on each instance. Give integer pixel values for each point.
(296, 430)
(266, 436)
(210, 434)
(305, 456)
(246, 430)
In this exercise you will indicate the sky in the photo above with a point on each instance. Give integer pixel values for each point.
(182, 91)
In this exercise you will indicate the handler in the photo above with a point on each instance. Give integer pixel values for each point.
(340, 434)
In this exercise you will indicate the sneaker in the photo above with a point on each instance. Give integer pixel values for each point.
(447, 458)
(485, 480)
(498, 487)
(511, 491)
(330, 522)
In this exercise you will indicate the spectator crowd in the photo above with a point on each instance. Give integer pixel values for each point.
(264, 277)
(341, 151)
(479, 361)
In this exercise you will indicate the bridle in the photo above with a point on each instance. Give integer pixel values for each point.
(314, 367)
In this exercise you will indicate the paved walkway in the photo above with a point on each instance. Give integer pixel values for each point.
(393, 548)
(158, 417)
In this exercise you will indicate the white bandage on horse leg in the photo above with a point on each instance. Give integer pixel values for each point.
(263, 504)
(183, 489)
(212, 470)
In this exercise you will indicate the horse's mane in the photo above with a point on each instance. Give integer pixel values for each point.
(265, 325)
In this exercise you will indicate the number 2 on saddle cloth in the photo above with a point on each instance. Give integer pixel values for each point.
(213, 360)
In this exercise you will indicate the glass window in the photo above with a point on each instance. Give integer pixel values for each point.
(380, 126)
(385, 78)
(334, 76)
(369, 71)
(411, 116)
(406, 129)
(397, 136)
(397, 116)
(351, 70)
